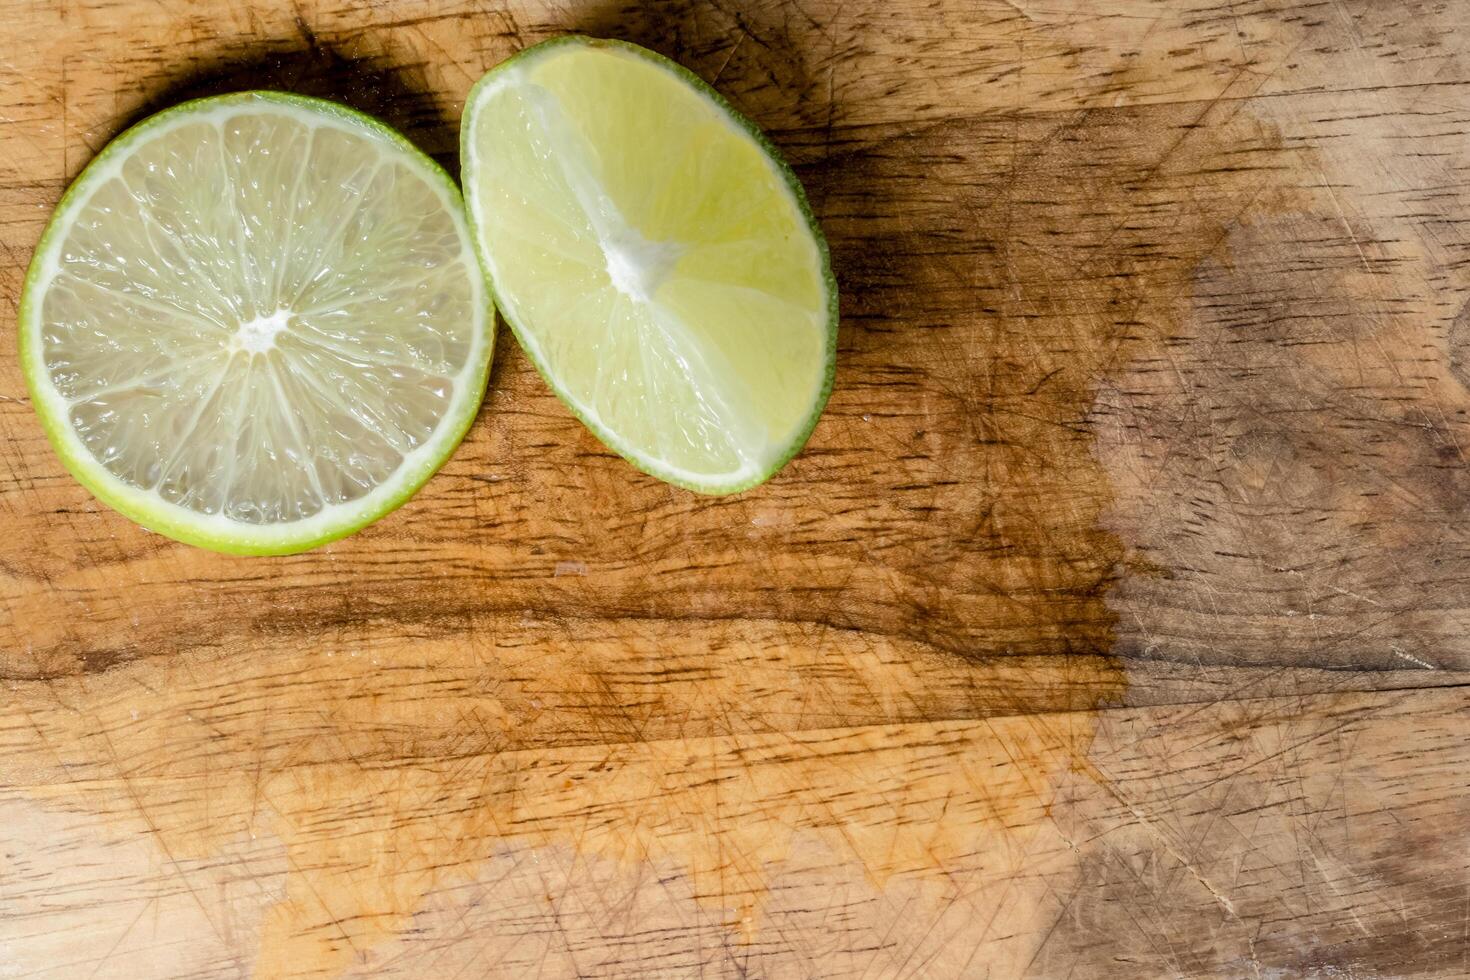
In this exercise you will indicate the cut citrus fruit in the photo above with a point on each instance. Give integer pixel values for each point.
(256, 323)
(654, 256)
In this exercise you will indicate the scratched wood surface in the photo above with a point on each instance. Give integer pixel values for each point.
(1114, 622)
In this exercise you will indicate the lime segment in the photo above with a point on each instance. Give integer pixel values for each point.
(256, 322)
(655, 257)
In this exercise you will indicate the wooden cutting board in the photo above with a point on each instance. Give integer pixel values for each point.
(1113, 623)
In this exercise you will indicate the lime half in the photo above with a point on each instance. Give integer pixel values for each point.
(256, 323)
(654, 256)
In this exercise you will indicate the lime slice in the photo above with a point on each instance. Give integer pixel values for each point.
(655, 257)
(256, 323)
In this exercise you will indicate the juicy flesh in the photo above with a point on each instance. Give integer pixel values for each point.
(258, 316)
(666, 278)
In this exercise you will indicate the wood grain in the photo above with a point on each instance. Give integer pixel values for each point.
(1114, 619)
